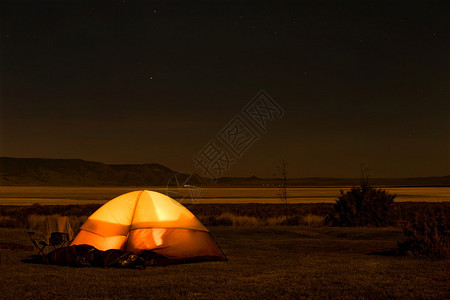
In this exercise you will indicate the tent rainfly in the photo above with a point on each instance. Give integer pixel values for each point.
(147, 220)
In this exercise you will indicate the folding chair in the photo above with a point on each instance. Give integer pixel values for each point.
(51, 231)
(58, 240)
(39, 245)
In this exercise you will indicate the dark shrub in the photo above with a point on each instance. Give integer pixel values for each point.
(362, 206)
(291, 221)
(216, 221)
(8, 222)
(428, 236)
(21, 215)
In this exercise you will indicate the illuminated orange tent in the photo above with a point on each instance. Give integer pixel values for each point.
(146, 220)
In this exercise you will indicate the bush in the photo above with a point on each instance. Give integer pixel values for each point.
(227, 219)
(313, 220)
(8, 222)
(428, 236)
(216, 221)
(362, 206)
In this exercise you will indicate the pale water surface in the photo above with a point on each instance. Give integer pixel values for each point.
(85, 195)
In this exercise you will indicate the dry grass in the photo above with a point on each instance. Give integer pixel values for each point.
(225, 214)
(229, 219)
(8, 222)
(264, 262)
(239, 220)
(313, 220)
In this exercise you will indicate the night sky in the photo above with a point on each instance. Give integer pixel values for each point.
(139, 82)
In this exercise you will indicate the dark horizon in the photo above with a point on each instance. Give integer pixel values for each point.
(181, 172)
(139, 82)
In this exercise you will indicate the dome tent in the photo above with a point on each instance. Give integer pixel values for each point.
(147, 220)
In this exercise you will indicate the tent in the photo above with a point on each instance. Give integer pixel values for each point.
(147, 220)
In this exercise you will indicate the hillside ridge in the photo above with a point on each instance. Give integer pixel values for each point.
(79, 172)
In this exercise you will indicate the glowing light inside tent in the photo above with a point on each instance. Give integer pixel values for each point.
(157, 236)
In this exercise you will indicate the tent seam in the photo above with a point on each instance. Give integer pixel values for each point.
(103, 235)
(168, 228)
(132, 217)
(145, 228)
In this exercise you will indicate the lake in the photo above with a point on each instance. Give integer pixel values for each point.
(26, 195)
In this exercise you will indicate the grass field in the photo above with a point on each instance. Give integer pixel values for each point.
(256, 214)
(264, 262)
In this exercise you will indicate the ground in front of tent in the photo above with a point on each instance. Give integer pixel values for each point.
(264, 261)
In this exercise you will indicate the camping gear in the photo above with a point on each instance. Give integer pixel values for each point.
(88, 256)
(145, 220)
(39, 245)
(56, 240)
(54, 231)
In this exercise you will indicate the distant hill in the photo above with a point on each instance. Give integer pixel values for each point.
(78, 172)
(325, 181)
